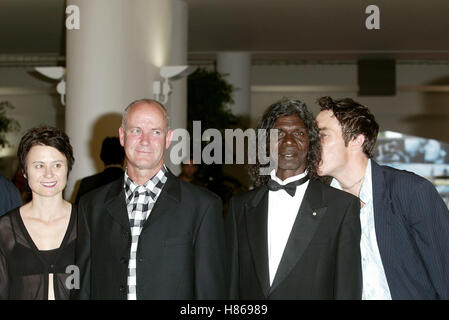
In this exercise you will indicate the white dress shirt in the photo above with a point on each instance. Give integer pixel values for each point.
(375, 285)
(282, 211)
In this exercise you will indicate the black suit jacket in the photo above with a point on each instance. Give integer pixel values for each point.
(321, 259)
(412, 230)
(180, 254)
(97, 180)
(9, 196)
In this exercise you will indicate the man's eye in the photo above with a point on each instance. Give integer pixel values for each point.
(38, 166)
(58, 165)
(157, 132)
(135, 131)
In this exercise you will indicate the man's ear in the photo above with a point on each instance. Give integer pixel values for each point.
(168, 139)
(121, 134)
(357, 142)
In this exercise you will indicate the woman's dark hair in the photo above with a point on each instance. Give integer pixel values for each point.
(354, 119)
(45, 136)
(287, 107)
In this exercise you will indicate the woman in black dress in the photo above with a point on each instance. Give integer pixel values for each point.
(37, 240)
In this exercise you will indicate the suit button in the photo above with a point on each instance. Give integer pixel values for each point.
(122, 288)
(123, 260)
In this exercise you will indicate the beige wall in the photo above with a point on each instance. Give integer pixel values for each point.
(36, 102)
(411, 112)
(415, 113)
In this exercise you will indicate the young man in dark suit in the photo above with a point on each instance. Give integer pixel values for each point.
(405, 223)
(293, 237)
(150, 235)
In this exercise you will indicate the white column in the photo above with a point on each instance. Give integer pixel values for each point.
(236, 67)
(177, 103)
(112, 60)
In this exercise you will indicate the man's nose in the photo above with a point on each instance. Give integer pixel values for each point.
(288, 139)
(145, 138)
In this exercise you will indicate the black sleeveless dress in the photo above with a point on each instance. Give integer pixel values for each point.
(24, 269)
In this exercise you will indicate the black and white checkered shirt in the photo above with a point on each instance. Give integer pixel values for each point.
(140, 200)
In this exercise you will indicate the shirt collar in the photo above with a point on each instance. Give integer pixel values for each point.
(288, 180)
(366, 191)
(130, 186)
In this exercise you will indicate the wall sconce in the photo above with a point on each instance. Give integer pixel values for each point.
(162, 90)
(56, 73)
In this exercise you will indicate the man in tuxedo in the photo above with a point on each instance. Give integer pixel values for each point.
(112, 155)
(293, 237)
(150, 235)
(405, 223)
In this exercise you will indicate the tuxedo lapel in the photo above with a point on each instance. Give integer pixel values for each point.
(310, 214)
(256, 221)
(116, 204)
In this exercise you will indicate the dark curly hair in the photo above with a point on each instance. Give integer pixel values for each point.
(287, 107)
(45, 136)
(354, 119)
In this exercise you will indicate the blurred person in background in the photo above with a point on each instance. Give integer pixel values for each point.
(9, 196)
(188, 172)
(113, 155)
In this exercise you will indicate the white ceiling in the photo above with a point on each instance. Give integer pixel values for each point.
(270, 29)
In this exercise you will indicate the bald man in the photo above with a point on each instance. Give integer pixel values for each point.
(150, 235)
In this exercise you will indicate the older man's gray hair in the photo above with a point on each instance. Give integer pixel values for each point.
(145, 101)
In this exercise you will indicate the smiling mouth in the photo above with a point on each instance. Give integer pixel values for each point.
(48, 184)
(289, 155)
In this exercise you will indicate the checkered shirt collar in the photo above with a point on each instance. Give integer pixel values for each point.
(152, 186)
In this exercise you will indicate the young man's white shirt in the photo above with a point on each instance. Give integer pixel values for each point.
(375, 285)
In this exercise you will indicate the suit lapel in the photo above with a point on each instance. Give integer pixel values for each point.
(303, 230)
(382, 205)
(116, 204)
(167, 201)
(256, 221)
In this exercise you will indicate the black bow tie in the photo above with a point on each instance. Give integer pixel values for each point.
(289, 187)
